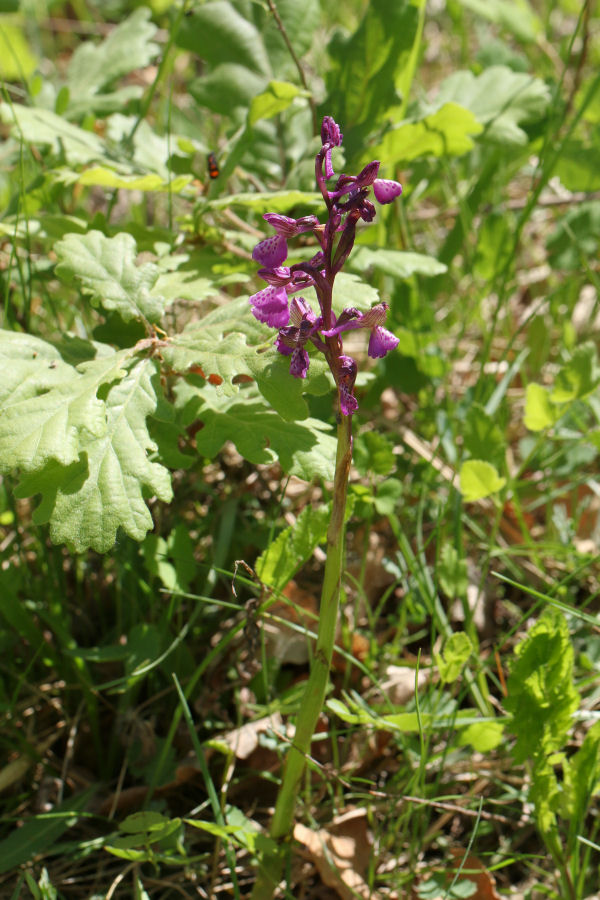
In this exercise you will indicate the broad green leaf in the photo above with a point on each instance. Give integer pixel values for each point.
(51, 424)
(479, 479)
(227, 86)
(541, 693)
(41, 126)
(397, 263)
(540, 412)
(501, 99)
(142, 822)
(578, 377)
(293, 547)
(516, 16)
(89, 500)
(305, 448)
(446, 132)
(217, 33)
(362, 77)
(277, 97)
(350, 290)
(300, 20)
(457, 650)
(17, 61)
(105, 269)
(93, 66)
(103, 177)
(278, 201)
(229, 343)
(482, 736)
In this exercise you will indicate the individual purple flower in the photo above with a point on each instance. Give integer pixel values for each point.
(271, 252)
(385, 190)
(271, 306)
(292, 339)
(381, 340)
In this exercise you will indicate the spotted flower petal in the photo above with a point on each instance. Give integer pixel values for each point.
(271, 306)
(271, 252)
(385, 190)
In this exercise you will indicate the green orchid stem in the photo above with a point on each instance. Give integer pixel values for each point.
(272, 860)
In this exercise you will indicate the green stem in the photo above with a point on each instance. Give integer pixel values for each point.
(271, 861)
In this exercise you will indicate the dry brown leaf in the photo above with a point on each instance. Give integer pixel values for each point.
(243, 741)
(472, 869)
(341, 854)
(399, 685)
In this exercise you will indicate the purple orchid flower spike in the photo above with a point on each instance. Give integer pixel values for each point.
(298, 325)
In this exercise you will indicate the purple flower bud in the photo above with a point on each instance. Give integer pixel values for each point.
(367, 211)
(385, 191)
(271, 252)
(288, 227)
(368, 174)
(271, 306)
(330, 132)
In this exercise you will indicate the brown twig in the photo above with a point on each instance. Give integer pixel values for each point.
(297, 63)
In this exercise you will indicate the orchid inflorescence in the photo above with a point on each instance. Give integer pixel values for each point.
(295, 320)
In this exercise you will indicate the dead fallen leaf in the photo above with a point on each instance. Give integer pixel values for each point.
(341, 854)
(472, 869)
(399, 685)
(243, 741)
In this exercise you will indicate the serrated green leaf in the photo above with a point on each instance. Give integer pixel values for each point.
(46, 418)
(105, 269)
(540, 413)
(501, 99)
(218, 345)
(93, 66)
(293, 547)
(277, 97)
(479, 479)
(541, 693)
(446, 132)
(305, 449)
(388, 495)
(89, 500)
(351, 290)
(397, 263)
(42, 126)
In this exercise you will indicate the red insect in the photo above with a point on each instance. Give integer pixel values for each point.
(213, 166)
